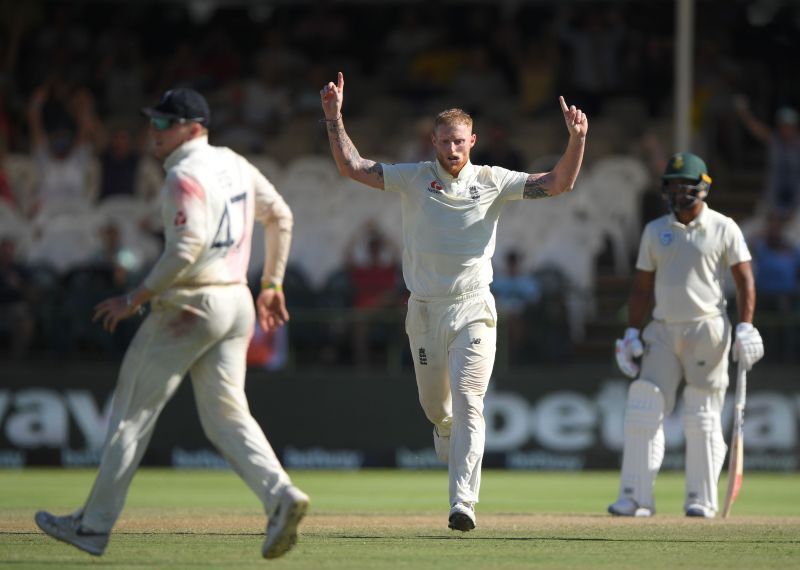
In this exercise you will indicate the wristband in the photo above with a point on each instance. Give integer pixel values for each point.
(270, 285)
(129, 302)
(337, 118)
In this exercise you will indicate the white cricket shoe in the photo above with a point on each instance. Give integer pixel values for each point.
(68, 529)
(442, 445)
(699, 511)
(627, 507)
(462, 517)
(282, 525)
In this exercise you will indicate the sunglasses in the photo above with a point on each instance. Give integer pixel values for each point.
(673, 186)
(165, 123)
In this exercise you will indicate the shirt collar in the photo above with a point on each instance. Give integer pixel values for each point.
(446, 176)
(698, 222)
(185, 150)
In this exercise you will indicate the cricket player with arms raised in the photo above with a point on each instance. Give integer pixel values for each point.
(201, 322)
(450, 210)
(683, 258)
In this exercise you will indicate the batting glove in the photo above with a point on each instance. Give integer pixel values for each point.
(748, 348)
(627, 349)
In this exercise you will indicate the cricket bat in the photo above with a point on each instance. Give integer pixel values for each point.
(736, 462)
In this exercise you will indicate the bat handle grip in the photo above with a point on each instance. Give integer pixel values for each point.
(741, 387)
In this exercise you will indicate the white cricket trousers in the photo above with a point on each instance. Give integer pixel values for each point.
(205, 332)
(453, 343)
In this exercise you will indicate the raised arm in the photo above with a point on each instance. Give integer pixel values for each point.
(757, 128)
(562, 177)
(35, 121)
(348, 161)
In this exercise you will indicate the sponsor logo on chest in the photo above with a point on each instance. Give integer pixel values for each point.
(435, 187)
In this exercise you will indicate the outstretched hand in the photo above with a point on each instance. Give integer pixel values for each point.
(577, 122)
(271, 307)
(111, 311)
(332, 97)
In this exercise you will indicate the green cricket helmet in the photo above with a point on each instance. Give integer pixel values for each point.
(690, 167)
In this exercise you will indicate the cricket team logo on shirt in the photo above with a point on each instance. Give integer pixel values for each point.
(665, 237)
(435, 187)
(473, 193)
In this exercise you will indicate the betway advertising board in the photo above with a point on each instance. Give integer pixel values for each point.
(567, 417)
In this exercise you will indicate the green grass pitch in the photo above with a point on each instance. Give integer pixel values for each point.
(375, 519)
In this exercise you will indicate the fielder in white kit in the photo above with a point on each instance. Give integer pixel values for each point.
(683, 258)
(201, 322)
(450, 210)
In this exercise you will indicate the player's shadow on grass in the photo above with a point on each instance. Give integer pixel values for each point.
(556, 539)
(599, 539)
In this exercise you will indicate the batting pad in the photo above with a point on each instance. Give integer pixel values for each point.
(705, 446)
(644, 442)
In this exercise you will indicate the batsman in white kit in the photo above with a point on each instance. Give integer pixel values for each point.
(682, 262)
(450, 210)
(201, 322)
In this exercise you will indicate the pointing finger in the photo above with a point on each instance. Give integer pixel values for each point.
(341, 81)
(563, 103)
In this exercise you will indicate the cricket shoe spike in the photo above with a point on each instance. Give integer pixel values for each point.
(282, 525)
(699, 511)
(462, 517)
(68, 529)
(627, 507)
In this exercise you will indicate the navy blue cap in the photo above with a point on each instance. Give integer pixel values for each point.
(181, 103)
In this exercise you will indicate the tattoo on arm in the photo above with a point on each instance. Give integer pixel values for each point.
(535, 188)
(341, 142)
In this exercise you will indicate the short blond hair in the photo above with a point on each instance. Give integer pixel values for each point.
(452, 117)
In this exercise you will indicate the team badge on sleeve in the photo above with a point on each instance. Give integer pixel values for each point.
(180, 219)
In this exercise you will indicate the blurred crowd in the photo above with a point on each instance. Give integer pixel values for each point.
(78, 190)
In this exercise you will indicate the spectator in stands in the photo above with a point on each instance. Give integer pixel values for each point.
(6, 192)
(477, 80)
(16, 319)
(119, 164)
(782, 190)
(594, 40)
(122, 263)
(419, 147)
(121, 71)
(515, 291)
(234, 129)
(61, 138)
(266, 99)
(499, 150)
(777, 267)
(373, 268)
(536, 67)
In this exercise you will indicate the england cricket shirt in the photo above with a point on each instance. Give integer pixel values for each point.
(210, 198)
(450, 223)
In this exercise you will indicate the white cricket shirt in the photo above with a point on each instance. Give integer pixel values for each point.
(450, 224)
(690, 262)
(210, 198)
